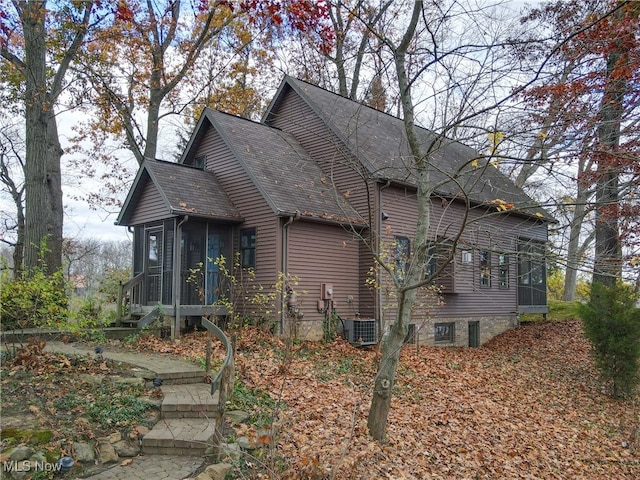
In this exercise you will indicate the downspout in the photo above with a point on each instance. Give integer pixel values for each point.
(177, 268)
(378, 222)
(283, 269)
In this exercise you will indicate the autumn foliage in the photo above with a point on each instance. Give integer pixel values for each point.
(588, 101)
(529, 404)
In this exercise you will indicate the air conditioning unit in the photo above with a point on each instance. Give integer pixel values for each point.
(360, 332)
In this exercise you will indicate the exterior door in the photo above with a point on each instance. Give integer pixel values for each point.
(153, 265)
(474, 334)
(215, 247)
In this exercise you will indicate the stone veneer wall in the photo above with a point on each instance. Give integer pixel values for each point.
(489, 327)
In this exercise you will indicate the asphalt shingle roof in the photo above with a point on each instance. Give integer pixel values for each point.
(282, 170)
(184, 190)
(380, 142)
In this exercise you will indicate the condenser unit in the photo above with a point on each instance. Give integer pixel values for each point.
(360, 331)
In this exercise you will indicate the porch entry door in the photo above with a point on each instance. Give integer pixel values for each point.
(153, 265)
(216, 247)
(202, 245)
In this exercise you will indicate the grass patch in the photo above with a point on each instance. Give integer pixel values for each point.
(15, 436)
(257, 403)
(559, 311)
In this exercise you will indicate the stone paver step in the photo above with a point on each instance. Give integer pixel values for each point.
(189, 401)
(152, 467)
(170, 369)
(180, 436)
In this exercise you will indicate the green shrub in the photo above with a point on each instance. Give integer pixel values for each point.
(110, 283)
(34, 300)
(612, 324)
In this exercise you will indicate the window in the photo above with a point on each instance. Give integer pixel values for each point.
(199, 162)
(503, 271)
(485, 268)
(432, 262)
(444, 332)
(401, 256)
(248, 248)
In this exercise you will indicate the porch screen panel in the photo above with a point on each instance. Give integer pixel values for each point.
(154, 265)
(532, 273)
(138, 250)
(167, 263)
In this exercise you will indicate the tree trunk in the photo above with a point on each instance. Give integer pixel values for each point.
(43, 188)
(153, 119)
(18, 249)
(607, 266)
(573, 248)
(393, 341)
(386, 376)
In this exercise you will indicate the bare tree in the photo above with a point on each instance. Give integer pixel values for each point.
(12, 179)
(447, 59)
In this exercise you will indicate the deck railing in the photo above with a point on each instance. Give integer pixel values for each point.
(130, 293)
(223, 380)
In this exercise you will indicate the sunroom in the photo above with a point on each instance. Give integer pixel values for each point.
(171, 277)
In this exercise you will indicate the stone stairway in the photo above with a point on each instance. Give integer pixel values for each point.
(189, 416)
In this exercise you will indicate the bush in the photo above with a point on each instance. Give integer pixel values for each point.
(35, 300)
(612, 324)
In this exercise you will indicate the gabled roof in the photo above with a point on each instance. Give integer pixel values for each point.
(379, 141)
(281, 169)
(184, 191)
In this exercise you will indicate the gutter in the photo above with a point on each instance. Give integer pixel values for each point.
(378, 233)
(283, 269)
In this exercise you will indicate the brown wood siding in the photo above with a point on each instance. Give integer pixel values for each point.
(296, 117)
(486, 230)
(317, 254)
(248, 200)
(150, 208)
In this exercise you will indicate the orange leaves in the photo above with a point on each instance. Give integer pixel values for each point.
(526, 405)
(501, 205)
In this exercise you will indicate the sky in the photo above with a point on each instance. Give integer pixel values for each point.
(82, 222)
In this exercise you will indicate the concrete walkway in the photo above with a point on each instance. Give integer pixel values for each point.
(172, 370)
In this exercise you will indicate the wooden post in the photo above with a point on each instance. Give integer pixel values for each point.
(209, 348)
(119, 307)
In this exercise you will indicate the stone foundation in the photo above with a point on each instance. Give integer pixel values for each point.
(488, 328)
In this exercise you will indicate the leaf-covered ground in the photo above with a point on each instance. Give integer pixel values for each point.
(49, 399)
(527, 405)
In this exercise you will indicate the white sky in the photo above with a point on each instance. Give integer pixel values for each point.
(80, 221)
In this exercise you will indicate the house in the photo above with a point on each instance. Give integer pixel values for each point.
(304, 197)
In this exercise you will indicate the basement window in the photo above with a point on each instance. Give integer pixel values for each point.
(444, 332)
